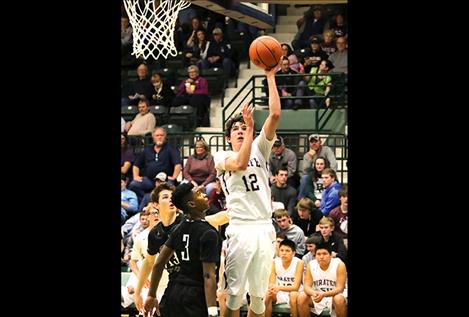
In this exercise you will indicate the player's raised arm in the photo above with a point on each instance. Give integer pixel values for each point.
(271, 123)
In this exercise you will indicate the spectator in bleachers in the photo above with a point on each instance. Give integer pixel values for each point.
(317, 149)
(312, 25)
(129, 203)
(330, 194)
(339, 58)
(220, 55)
(338, 26)
(311, 243)
(139, 89)
(132, 227)
(197, 49)
(324, 285)
(141, 224)
(279, 237)
(291, 231)
(319, 84)
(190, 35)
(285, 279)
(127, 157)
(194, 91)
(126, 36)
(340, 213)
(216, 199)
(283, 192)
(143, 122)
(287, 85)
(311, 184)
(200, 168)
(294, 63)
(314, 54)
(307, 216)
(161, 157)
(162, 93)
(328, 44)
(282, 156)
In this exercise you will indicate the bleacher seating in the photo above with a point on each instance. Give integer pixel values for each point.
(216, 80)
(172, 128)
(168, 75)
(161, 114)
(185, 116)
(129, 112)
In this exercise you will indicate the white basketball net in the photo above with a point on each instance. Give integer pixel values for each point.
(153, 25)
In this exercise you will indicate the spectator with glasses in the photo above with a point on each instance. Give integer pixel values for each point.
(159, 157)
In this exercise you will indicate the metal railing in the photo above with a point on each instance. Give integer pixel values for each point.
(255, 90)
(297, 142)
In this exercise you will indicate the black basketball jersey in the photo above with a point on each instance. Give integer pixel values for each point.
(194, 242)
(157, 238)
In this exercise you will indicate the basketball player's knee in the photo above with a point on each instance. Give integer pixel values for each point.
(234, 302)
(303, 299)
(339, 299)
(257, 305)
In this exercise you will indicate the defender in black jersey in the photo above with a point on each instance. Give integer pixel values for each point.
(169, 218)
(197, 245)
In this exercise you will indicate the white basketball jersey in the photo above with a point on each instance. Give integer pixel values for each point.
(285, 277)
(247, 192)
(324, 280)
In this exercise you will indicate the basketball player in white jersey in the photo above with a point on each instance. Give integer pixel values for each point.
(324, 285)
(244, 176)
(285, 279)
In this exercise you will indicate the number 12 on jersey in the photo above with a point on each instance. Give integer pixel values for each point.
(251, 185)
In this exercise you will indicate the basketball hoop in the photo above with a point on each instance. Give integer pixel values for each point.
(153, 25)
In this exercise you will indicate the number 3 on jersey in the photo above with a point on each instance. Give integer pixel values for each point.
(185, 254)
(253, 183)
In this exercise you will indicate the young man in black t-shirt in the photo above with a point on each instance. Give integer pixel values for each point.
(169, 218)
(197, 245)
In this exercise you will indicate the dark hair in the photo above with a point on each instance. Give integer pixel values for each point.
(330, 171)
(343, 192)
(288, 243)
(316, 175)
(144, 100)
(229, 124)
(289, 49)
(328, 64)
(281, 168)
(155, 193)
(124, 177)
(324, 245)
(314, 239)
(281, 235)
(182, 195)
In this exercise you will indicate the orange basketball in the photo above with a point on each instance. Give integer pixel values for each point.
(265, 52)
